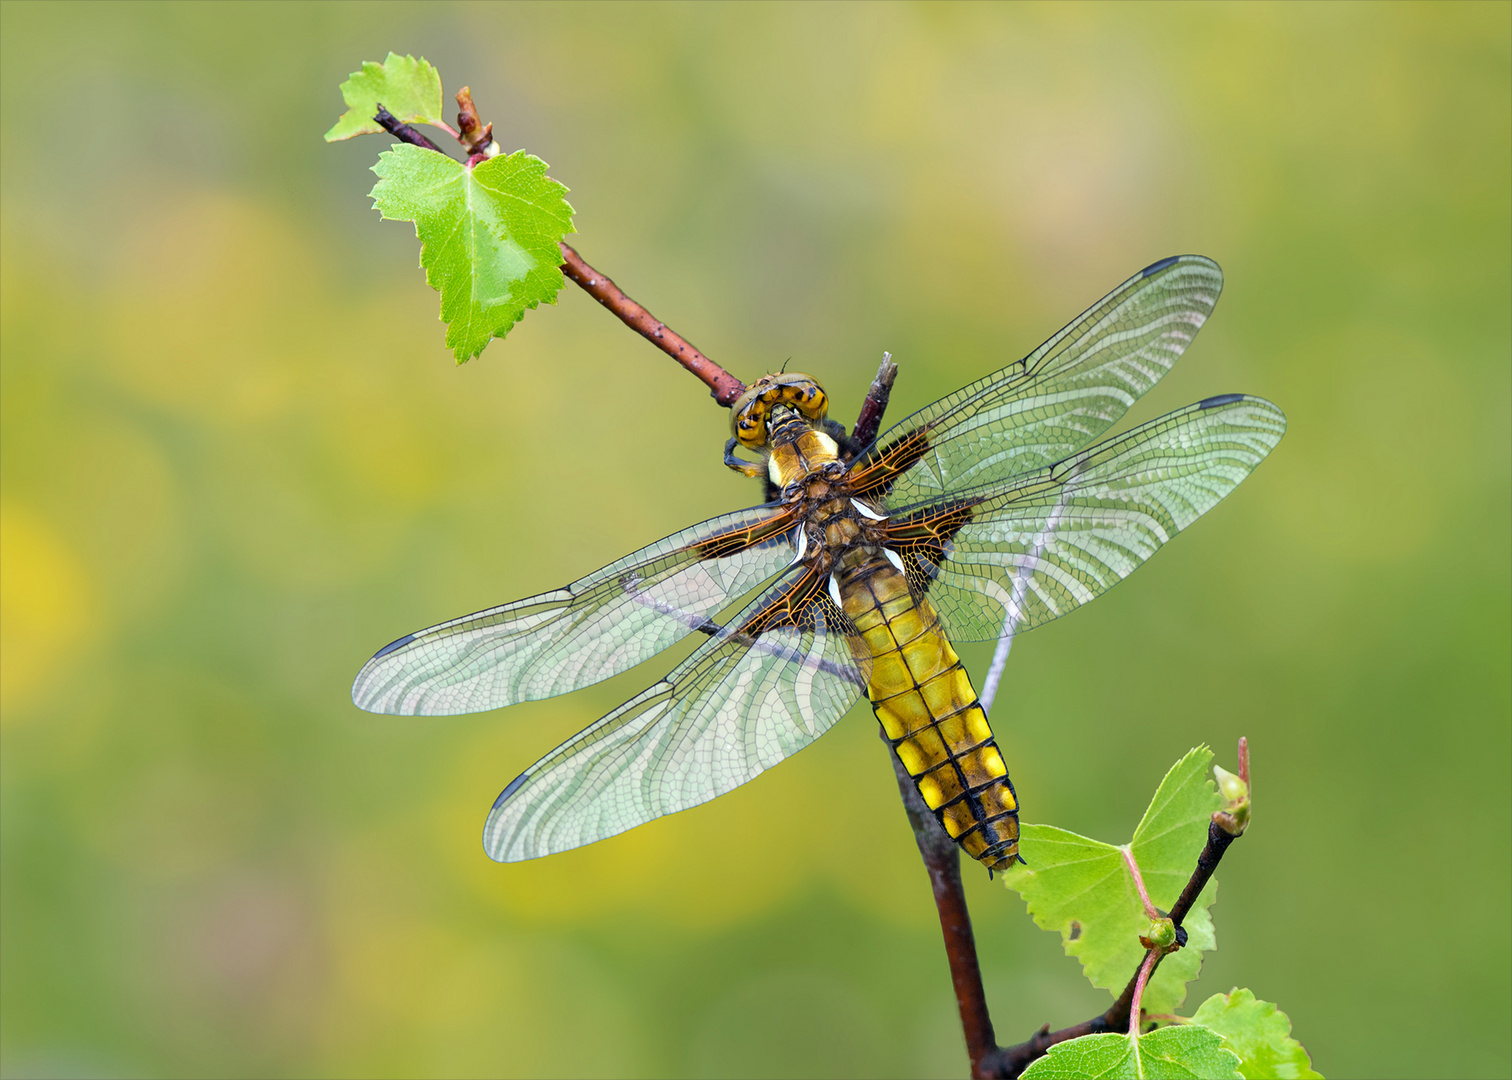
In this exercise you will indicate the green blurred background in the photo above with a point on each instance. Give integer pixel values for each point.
(237, 458)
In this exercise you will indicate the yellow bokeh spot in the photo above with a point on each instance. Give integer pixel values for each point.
(47, 609)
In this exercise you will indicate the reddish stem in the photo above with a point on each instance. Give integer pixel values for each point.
(1144, 896)
(723, 386)
(1145, 970)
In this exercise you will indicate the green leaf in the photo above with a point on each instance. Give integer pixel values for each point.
(1082, 888)
(1170, 1053)
(1259, 1033)
(489, 235)
(408, 88)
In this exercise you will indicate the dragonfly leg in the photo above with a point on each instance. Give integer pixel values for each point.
(744, 468)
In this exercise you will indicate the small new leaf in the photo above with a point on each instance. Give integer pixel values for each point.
(406, 87)
(1259, 1033)
(1169, 1053)
(489, 235)
(1082, 888)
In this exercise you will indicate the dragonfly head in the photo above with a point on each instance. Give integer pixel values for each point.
(751, 417)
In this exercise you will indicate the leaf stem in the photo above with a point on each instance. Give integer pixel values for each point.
(723, 386)
(1146, 968)
(1144, 896)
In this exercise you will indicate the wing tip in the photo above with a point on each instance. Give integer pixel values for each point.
(1171, 260)
(491, 849)
(509, 789)
(391, 646)
(1220, 399)
(1157, 267)
(360, 692)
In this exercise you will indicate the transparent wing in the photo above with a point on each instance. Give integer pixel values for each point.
(596, 627)
(736, 707)
(1061, 396)
(1014, 556)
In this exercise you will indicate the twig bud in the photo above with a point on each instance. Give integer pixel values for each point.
(1232, 788)
(1234, 817)
(1162, 935)
(475, 136)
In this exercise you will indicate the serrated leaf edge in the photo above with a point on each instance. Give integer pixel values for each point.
(458, 333)
(1309, 1072)
(371, 127)
(1152, 808)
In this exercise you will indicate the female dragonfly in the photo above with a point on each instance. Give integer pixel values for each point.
(989, 512)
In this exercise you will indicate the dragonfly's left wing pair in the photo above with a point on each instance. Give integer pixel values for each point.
(757, 691)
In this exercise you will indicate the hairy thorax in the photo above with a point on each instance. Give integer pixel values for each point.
(837, 532)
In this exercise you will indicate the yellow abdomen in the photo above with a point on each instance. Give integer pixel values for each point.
(930, 714)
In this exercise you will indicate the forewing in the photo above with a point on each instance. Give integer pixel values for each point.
(740, 704)
(596, 627)
(1013, 556)
(1057, 399)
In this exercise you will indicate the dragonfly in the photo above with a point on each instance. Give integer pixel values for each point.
(988, 513)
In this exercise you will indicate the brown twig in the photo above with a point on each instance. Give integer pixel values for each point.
(942, 860)
(870, 417)
(402, 131)
(723, 386)
(477, 138)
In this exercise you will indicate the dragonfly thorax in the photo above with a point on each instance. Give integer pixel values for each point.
(798, 450)
(836, 530)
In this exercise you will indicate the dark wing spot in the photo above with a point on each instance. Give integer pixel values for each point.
(924, 537)
(722, 545)
(876, 474)
(1219, 399)
(391, 646)
(790, 608)
(514, 786)
(1157, 267)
